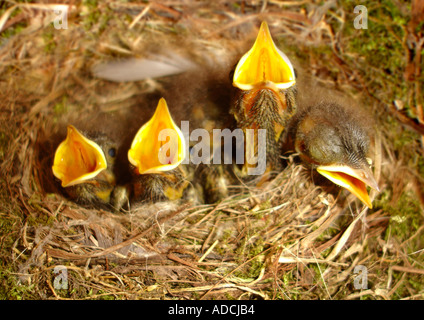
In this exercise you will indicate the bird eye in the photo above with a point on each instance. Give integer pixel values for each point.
(112, 152)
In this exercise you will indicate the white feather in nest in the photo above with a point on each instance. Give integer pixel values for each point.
(136, 69)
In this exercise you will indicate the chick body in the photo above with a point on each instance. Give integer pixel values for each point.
(264, 99)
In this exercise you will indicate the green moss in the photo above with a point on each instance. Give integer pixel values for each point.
(262, 210)
(244, 253)
(229, 296)
(222, 247)
(12, 31)
(12, 289)
(49, 40)
(105, 297)
(90, 14)
(61, 107)
(417, 283)
(406, 219)
(378, 51)
(420, 166)
(413, 282)
(328, 234)
(289, 290)
(4, 143)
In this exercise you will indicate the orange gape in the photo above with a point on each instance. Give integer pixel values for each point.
(77, 159)
(159, 145)
(264, 62)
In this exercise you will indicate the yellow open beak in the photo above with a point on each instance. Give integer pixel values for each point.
(264, 62)
(354, 180)
(159, 145)
(77, 159)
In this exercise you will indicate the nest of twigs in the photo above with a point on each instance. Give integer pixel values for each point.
(293, 238)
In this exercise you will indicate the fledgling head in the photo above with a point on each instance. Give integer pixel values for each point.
(85, 167)
(264, 63)
(335, 141)
(156, 154)
(159, 145)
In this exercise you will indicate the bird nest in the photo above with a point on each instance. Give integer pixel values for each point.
(292, 238)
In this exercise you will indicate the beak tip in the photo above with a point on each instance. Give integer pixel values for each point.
(258, 64)
(373, 184)
(351, 180)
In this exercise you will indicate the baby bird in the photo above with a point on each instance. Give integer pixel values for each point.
(85, 167)
(335, 141)
(156, 154)
(265, 98)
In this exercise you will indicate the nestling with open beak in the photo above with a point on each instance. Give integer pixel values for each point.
(85, 167)
(335, 141)
(156, 154)
(265, 95)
